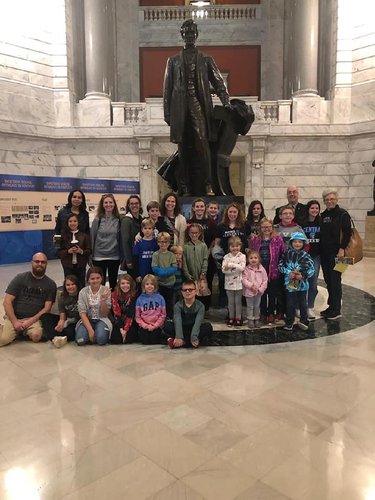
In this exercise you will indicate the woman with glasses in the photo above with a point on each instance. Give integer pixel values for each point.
(130, 227)
(270, 247)
(105, 237)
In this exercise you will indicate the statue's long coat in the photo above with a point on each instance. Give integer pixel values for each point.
(175, 98)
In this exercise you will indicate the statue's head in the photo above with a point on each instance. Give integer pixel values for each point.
(189, 32)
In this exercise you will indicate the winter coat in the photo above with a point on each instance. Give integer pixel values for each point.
(254, 277)
(233, 275)
(277, 248)
(195, 259)
(297, 260)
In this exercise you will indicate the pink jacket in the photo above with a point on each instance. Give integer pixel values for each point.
(254, 277)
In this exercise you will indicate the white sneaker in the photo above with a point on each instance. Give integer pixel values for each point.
(311, 314)
(59, 341)
(298, 314)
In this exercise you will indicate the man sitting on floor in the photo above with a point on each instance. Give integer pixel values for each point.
(28, 296)
(187, 327)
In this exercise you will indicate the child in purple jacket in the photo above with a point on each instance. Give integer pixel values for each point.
(270, 247)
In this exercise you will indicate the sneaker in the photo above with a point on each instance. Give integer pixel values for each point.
(298, 313)
(257, 323)
(303, 325)
(230, 322)
(271, 318)
(289, 328)
(59, 341)
(325, 312)
(238, 322)
(250, 323)
(170, 342)
(334, 315)
(311, 314)
(263, 319)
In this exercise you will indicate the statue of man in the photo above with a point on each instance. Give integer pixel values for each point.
(188, 110)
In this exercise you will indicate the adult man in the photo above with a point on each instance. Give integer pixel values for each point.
(188, 110)
(29, 295)
(335, 232)
(299, 208)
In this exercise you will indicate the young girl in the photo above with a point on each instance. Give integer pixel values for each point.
(125, 330)
(94, 304)
(68, 311)
(150, 312)
(270, 247)
(233, 266)
(195, 260)
(178, 252)
(254, 282)
(74, 250)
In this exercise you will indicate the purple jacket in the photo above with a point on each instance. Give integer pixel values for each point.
(277, 248)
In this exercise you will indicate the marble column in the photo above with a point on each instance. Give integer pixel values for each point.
(257, 169)
(99, 48)
(148, 177)
(301, 45)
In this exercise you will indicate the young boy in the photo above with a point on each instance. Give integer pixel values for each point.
(287, 226)
(187, 327)
(213, 210)
(164, 266)
(153, 210)
(297, 267)
(144, 250)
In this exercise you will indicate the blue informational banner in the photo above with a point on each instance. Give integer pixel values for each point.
(29, 206)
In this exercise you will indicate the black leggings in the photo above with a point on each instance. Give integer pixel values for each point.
(112, 267)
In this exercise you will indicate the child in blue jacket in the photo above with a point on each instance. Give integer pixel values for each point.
(297, 267)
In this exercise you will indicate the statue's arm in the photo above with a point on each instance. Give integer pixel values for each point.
(217, 82)
(167, 90)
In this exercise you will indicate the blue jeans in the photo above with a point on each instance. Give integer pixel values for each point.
(101, 333)
(313, 283)
(296, 300)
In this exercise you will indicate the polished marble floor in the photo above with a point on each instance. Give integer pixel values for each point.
(282, 421)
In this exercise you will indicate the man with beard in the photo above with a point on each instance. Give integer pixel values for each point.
(28, 297)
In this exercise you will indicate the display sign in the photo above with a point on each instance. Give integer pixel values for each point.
(29, 207)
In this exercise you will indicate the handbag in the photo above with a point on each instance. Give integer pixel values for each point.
(354, 250)
(202, 287)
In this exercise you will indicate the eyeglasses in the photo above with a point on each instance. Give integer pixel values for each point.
(163, 241)
(40, 261)
(188, 290)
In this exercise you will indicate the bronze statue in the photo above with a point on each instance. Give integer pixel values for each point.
(188, 110)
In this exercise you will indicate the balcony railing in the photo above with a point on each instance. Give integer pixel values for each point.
(215, 12)
(151, 111)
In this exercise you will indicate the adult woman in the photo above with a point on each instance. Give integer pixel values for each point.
(255, 214)
(310, 224)
(335, 235)
(94, 305)
(105, 236)
(130, 227)
(232, 224)
(270, 247)
(171, 220)
(75, 249)
(76, 205)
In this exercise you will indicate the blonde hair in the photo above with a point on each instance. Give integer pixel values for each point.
(154, 281)
(176, 248)
(148, 222)
(270, 221)
(234, 240)
(164, 235)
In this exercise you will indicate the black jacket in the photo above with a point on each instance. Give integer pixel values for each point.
(335, 230)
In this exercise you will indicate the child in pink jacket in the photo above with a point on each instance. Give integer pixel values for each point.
(254, 283)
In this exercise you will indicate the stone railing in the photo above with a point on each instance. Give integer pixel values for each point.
(215, 12)
(151, 111)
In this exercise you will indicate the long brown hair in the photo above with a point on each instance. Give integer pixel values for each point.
(130, 280)
(240, 221)
(100, 210)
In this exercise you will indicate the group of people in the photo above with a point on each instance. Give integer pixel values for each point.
(168, 265)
